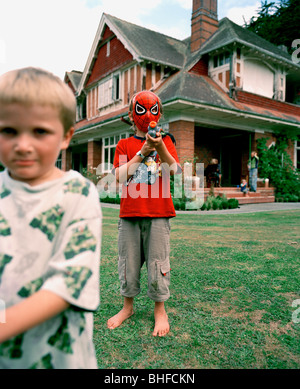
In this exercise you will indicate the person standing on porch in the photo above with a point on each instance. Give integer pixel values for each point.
(253, 171)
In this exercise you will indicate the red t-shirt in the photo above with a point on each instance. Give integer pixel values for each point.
(141, 199)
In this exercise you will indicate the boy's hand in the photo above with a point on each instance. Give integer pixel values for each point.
(154, 142)
(151, 144)
(147, 149)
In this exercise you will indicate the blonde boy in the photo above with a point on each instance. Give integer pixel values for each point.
(50, 227)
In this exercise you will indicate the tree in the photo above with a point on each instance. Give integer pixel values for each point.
(278, 22)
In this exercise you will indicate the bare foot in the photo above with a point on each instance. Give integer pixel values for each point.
(118, 319)
(162, 326)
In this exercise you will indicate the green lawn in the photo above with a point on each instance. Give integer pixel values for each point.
(233, 281)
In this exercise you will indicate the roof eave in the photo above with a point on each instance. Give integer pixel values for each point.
(186, 101)
(105, 20)
(256, 48)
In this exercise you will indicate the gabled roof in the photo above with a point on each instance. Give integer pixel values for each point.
(142, 43)
(74, 77)
(194, 88)
(150, 45)
(230, 32)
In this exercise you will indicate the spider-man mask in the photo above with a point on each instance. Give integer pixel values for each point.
(146, 109)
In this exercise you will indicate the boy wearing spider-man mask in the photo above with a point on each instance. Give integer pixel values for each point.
(143, 165)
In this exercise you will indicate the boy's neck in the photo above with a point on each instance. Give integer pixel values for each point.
(140, 134)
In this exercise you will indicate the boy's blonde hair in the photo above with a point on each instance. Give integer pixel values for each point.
(133, 96)
(30, 86)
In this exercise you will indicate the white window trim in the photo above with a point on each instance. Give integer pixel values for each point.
(106, 91)
(114, 77)
(107, 166)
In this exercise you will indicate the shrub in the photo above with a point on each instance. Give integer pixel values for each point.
(203, 208)
(225, 203)
(105, 198)
(276, 164)
(219, 202)
(215, 203)
(233, 203)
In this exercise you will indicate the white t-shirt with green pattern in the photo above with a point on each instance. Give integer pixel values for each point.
(50, 237)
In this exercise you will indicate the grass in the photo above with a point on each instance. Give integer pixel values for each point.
(233, 281)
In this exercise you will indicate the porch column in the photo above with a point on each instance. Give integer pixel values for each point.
(94, 157)
(184, 133)
(66, 160)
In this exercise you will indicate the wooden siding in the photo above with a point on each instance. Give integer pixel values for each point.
(104, 65)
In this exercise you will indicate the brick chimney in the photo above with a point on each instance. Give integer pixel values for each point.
(204, 22)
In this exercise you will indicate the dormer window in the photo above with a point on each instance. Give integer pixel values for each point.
(221, 59)
(219, 69)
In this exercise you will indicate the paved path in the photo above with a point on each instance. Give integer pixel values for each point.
(249, 208)
(245, 208)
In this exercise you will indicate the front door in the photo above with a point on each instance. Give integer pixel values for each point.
(231, 159)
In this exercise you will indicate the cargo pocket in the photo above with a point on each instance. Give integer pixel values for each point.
(165, 271)
(163, 278)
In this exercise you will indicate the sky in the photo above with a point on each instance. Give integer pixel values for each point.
(57, 35)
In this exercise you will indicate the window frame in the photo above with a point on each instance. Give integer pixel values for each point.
(109, 144)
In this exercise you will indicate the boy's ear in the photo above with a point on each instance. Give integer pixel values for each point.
(67, 139)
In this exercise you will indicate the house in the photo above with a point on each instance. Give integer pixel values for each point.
(222, 89)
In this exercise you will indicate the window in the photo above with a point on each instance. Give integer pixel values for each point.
(109, 148)
(108, 49)
(105, 93)
(109, 91)
(116, 87)
(216, 61)
(81, 109)
(58, 162)
(227, 57)
(222, 59)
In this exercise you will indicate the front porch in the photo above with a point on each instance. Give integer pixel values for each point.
(262, 195)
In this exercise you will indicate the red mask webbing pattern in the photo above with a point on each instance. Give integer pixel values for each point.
(146, 108)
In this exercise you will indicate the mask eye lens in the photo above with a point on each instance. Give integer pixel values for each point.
(154, 109)
(139, 109)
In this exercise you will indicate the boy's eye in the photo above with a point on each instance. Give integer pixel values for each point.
(40, 131)
(8, 131)
(139, 109)
(154, 109)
